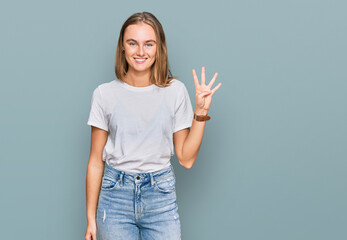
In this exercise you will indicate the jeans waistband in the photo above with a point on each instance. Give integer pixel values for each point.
(137, 177)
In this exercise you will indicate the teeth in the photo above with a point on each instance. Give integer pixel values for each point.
(140, 60)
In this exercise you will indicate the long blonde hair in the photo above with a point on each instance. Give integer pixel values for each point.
(160, 70)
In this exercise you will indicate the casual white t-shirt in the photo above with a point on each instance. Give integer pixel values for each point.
(140, 122)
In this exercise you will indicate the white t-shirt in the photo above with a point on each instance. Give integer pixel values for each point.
(140, 122)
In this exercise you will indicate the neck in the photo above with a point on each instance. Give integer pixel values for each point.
(138, 79)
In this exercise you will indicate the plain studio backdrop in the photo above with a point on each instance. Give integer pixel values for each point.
(272, 164)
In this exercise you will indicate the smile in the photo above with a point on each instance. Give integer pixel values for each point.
(140, 60)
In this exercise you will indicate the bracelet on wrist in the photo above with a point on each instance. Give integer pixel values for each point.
(201, 118)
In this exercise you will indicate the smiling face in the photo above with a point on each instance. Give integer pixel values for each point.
(140, 47)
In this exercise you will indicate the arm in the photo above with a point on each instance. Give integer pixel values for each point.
(95, 172)
(187, 141)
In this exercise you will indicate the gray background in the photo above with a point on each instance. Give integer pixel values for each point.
(272, 164)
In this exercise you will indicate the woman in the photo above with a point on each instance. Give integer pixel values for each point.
(136, 119)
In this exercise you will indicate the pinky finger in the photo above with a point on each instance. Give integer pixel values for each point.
(216, 88)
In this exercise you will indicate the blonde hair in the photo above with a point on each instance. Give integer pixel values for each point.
(160, 70)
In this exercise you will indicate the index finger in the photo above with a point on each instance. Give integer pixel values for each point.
(196, 80)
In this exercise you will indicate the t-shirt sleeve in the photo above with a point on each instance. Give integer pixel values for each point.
(97, 116)
(184, 111)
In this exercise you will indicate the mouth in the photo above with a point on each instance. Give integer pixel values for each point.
(140, 60)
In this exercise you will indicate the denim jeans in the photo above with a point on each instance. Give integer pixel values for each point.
(133, 204)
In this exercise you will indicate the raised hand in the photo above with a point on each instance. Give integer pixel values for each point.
(203, 93)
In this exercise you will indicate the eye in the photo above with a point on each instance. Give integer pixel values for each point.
(149, 45)
(132, 44)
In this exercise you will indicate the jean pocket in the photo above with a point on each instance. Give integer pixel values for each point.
(165, 185)
(109, 183)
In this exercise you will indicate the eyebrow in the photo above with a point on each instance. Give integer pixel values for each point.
(136, 41)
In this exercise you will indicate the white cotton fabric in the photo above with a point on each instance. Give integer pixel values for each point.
(140, 122)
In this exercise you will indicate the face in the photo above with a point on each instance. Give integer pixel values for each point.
(140, 47)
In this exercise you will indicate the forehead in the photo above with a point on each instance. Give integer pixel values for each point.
(139, 32)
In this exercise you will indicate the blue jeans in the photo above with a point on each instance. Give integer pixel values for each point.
(133, 204)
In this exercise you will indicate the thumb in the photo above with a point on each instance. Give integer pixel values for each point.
(205, 93)
(88, 235)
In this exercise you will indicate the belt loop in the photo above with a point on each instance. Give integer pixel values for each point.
(152, 182)
(121, 178)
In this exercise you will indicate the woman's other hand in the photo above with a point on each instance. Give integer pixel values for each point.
(91, 231)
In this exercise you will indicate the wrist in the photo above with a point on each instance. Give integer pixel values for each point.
(200, 111)
(91, 220)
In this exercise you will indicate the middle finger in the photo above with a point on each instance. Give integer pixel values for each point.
(203, 76)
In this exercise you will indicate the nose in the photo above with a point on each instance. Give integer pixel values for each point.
(140, 51)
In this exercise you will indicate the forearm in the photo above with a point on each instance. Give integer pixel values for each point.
(93, 184)
(193, 141)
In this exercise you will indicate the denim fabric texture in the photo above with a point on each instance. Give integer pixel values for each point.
(138, 204)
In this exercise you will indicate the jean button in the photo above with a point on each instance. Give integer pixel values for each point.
(138, 177)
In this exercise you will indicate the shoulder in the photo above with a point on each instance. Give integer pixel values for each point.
(106, 85)
(177, 91)
(176, 83)
(104, 88)
(102, 91)
(177, 86)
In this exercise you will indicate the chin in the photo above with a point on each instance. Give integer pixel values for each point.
(141, 69)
